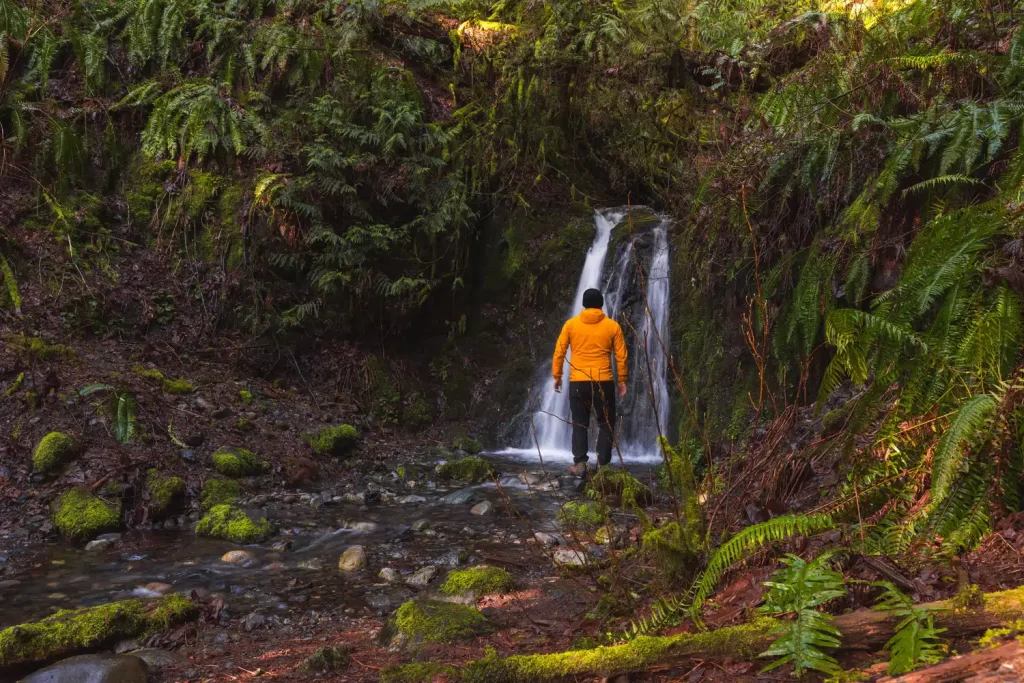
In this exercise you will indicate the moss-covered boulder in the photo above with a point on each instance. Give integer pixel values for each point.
(238, 462)
(420, 672)
(587, 515)
(471, 468)
(468, 444)
(72, 631)
(232, 524)
(79, 515)
(165, 492)
(433, 621)
(337, 441)
(53, 450)
(480, 580)
(325, 660)
(617, 483)
(218, 492)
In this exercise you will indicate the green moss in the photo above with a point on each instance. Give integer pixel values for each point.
(968, 598)
(470, 445)
(52, 451)
(232, 524)
(78, 514)
(238, 462)
(470, 468)
(218, 492)
(16, 385)
(246, 396)
(618, 483)
(170, 386)
(338, 441)
(588, 515)
(70, 631)
(480, 580)
(417, 414)
(39, 349)
(244, 425)
(325, 660)
(672, 550)
(433, 621)
(163, 491)
(423, 672)
(738, 643)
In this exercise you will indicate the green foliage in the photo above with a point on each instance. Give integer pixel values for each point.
(79, 515)
(479, 580)
(471, 468)
(587, 515)
(801, 587)
(232, 524)
(337, 441)
(125, 426)
(245, 396)
(53, 450)
(673, 550)
(618, 483)
(916, 639)
(468, 444)
(218, 492)
(238, 462)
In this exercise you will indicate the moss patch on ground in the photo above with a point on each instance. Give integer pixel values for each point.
(618, 483)
(337, 441)
(434, 621)
(52, 451)
(218, 492)
(78, 515)
(170, 386)
(164, 491)
(480, 580)
(325, 660)
(417, 673)
(468, 444)
(588, 515)
(232, 524)
(238, 462)
(471, 468)
(71, 631)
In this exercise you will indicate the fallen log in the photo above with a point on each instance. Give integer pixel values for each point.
(997, 665)
(861, 630)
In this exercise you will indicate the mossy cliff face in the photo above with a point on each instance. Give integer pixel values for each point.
(53, 450)
(232, 524)
(238, 462)
(70, 631)
(472, 468)
(164, 491)
(79, 515)
(433, 621)
(218, 492)
(480, 580)
(337, 441)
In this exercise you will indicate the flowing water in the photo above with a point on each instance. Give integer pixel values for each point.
(644, 415)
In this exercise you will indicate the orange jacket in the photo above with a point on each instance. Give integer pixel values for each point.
(592, 337)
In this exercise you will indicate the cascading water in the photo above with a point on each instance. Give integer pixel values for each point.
(643, 415)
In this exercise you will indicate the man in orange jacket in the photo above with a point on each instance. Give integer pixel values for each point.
(593, 338)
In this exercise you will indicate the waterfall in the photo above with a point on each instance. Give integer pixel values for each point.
(645, 326)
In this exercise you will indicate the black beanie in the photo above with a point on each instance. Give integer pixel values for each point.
(592, 299)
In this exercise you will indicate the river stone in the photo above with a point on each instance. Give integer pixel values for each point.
(98, 544)
(482, 509)
(460, 497)
(92, 669)
(362, 526)
(157, 659)
(420, 525)
(544, 538)
(412, 500)
(353, 559)
(569, 558)
(355, 498)
(315, 564)
(389, 574)
(316, 501)
(241, 557)
(422, 577)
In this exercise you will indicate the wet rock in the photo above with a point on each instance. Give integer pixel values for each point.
(315, 564)
(92, 669)
(202, 403)
(452, 558)
(239, 557)
(157, 659)
(420, 525)
(112, 537)
(253, 621)
(188, 455)
(325, 660)
(389, 574)
(483, 509)
(460, 497)
(412, 500)
(355, 498)
(569, 558)
(532, 478)
(152, 590)
(544, 538)
(553, 485)
(97, 545)
(353, 559)
(195, 440)
(316, 501)
(221, 413)
(9, 583)
(366, 527)
(422, 577)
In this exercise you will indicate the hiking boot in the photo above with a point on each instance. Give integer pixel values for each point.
(578, 469)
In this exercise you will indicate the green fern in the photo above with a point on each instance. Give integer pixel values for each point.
(915, 641)
(965, 425)
(124, 424)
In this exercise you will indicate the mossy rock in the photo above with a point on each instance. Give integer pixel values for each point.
(164, 491)
(218, 492)
(78, 515)
(325, 660)
(471, 468)
(72, 631)
(337, 441)
(53, 450)
(587, 515)
(232, 524)
(480, 580)
(613, 482)
(245, 396)
(238, 462)
(422, 672)
(433, 621)
(468, 444)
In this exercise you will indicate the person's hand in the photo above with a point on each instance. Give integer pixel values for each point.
(558, 385)
(622, 389)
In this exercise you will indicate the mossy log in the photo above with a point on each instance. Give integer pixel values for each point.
(995, 665)
(861, 630)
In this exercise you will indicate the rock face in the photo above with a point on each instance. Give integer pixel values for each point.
(353, 559)
(92, 669)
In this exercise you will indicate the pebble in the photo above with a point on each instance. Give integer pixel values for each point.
(221, 413)
(188, 455)
(422, 577)
(389, 574)
(9, 583)
(362, 526)
(281, 546)
(253, 621)
(98, 544)
(355, 498)
(412, 500)
(315, 564)
(353, 559)
(195, 440)
(242, 557)
(484, 508)
(92, 669)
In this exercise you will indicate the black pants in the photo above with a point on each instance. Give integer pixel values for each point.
(597, 398)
